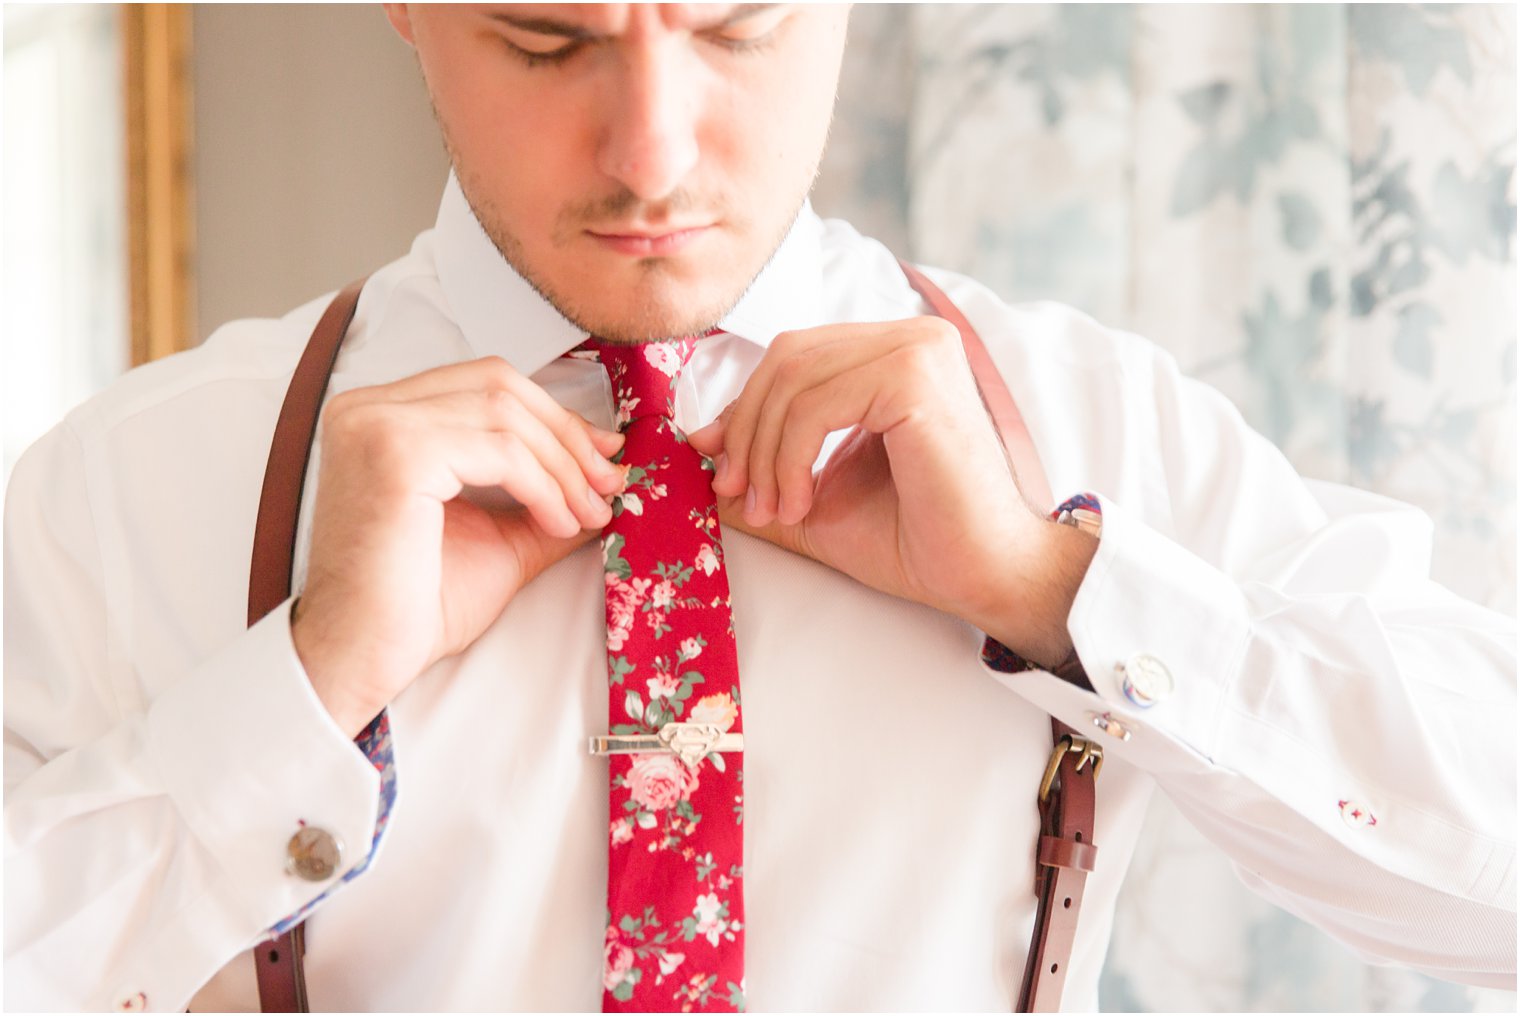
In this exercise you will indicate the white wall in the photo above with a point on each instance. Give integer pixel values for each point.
(316, 155)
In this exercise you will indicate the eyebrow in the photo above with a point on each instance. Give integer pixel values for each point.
(570, 30)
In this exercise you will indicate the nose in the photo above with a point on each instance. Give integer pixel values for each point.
(650, 139)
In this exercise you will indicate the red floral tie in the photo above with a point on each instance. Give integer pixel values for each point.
(675, 899)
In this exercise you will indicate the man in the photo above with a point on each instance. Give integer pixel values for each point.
(1270, 652)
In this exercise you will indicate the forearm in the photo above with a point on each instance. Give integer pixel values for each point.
(1348, 748)
(148, 802)
(146, 856)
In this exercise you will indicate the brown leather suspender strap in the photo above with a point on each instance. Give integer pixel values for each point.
(1064, 857)
(282, 982)
(274, 534)
(1065, 852)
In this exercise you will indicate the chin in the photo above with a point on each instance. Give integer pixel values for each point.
(657, 305)
(649, 323)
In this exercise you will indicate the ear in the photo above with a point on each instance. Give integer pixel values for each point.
(400, 17)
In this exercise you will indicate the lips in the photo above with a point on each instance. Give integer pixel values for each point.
(647, 242)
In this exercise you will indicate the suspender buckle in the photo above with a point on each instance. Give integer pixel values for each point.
(1085, 750)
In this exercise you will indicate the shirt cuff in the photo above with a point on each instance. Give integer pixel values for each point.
(250, 756)
(1160, 634)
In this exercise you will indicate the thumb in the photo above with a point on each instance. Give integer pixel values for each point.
(709, 439)
(793, 537)
(534, 550)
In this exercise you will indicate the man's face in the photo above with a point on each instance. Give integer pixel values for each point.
(638, 165)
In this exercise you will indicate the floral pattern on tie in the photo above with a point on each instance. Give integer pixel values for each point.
(675, 921)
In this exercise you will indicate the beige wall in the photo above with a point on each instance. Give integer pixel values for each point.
(317, 158)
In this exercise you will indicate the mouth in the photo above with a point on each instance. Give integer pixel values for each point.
(648, 242)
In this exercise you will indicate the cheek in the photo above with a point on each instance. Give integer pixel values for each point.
(782, 115)
(520, 145)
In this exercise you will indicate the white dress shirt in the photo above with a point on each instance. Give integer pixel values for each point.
(1340, 725)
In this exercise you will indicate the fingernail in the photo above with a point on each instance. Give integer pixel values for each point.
(749, 501)
(720, 467)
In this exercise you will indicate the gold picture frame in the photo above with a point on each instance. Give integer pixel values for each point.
(160, 202)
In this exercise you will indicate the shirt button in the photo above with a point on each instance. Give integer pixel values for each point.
(313, 854)
(134, 1001)
(1110, 726)
(1357, 815)
(1146, 680)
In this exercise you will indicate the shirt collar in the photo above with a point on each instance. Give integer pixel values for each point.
(499, 313)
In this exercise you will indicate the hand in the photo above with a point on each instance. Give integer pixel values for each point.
(404, 572)
(919, 501)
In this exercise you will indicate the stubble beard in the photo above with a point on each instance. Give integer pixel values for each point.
(647, 318)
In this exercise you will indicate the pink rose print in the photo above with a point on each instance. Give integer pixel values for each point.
(663, 685)
(663, 358)
(658, 782)
(617, 960)
(623, 599)
(690, 649)
(708, 922)
(669, 961)
(663, 595)
(626, 406)
(622, 832)
(707, 560)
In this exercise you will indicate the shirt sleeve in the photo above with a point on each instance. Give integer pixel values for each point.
(145, 841)
(1276, 656)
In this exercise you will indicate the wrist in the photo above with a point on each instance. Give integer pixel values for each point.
(323, 672)
(1031, 616)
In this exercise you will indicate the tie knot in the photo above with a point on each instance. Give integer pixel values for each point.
(643, 376)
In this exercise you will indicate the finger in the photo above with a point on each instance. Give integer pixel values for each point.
(405, 452)
(606, 442)
(792, 538)
(838, 403)
(533, 549)
(564, 446)
(709, 441)
(508, 416)
(804, 372)
(497, 459)
(743, 415)
(489, 373)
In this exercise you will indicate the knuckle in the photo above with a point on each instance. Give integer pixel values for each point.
(500, 407)
(918, 358)
(338, 414)
(789, 372)
(498, 372)
(514, 449)
(384, 436)
(370, 433)
(936, 331)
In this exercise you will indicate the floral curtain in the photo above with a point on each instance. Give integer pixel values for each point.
(1313, 208)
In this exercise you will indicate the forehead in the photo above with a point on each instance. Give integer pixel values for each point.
(615, 19)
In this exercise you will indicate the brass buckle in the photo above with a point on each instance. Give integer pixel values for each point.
(1087, 751)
